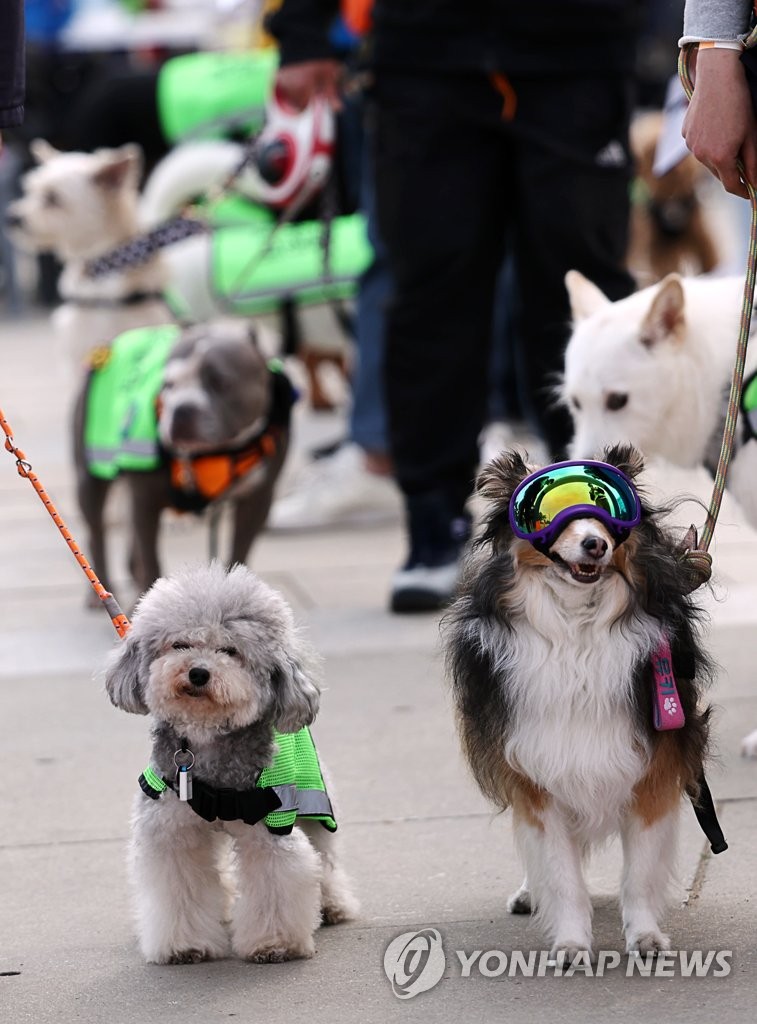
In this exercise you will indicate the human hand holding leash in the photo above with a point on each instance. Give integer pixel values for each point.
(300, 82)
(720, 126)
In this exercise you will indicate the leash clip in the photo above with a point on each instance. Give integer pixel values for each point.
(184, 760)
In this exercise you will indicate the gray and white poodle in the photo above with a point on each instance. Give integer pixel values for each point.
(214, 656)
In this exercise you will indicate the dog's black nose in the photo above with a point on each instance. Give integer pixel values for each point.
(198, 676)
(184, 422)
(596, 546)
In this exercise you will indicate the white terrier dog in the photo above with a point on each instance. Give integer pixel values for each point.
(214, 657)
(79, 206)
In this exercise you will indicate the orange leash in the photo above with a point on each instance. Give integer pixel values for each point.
(120, 622)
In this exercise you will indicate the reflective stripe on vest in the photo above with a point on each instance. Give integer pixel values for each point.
(296, 768)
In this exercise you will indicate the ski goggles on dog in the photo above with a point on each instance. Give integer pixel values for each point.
(545, 502)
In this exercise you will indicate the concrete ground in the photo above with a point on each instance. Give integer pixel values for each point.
(424, 849)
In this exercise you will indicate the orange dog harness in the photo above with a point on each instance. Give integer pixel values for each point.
(197, 480)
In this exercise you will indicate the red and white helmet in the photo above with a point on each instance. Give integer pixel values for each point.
(293, 153)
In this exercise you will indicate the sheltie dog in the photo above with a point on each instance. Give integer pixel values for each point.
(550, 650)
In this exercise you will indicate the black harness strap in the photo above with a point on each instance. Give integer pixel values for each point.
(247, 805)
(215, 802)
(704, 808)
(283, 397)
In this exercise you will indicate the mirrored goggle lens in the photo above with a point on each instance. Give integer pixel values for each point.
(557, 489)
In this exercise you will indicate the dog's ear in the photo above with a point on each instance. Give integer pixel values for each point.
(499, 478)
(42, 151)
(585, 297)
(665, 318)
(123, 676)
(120, 167)
(626, 458)
(296, 696)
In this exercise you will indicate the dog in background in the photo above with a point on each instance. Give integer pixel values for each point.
(549, 651)
(79, 206)
(200, 168)
(217, 429)
(214, 657)
(654, 370)
(669, 229)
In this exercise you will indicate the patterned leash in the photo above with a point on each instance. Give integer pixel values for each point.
(120, 622)
(698, 558)
(193, 220)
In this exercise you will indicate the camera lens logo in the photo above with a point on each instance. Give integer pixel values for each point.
(414, 962)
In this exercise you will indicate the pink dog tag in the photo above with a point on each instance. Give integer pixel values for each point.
(668, 713)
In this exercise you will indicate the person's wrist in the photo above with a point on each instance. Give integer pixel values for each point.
(717, 56)
(732, 45)
(717, 65)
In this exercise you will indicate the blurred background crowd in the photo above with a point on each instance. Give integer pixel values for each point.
(430, 388)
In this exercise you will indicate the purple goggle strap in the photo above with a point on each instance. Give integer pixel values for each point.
(543, 538)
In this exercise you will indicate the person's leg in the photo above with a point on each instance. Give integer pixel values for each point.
(573, 170)
(368, 427)
(441, 180)
(118, 109)
(504, 399)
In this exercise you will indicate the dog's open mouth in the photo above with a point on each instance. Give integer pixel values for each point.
(584, 572)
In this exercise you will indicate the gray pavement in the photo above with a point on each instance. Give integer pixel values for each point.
(423, 847)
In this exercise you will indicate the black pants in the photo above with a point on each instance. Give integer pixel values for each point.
(454, 180)
(117, 109)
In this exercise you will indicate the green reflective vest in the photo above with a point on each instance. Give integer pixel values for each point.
(120, 423)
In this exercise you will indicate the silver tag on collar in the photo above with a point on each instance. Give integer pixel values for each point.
(184, 760)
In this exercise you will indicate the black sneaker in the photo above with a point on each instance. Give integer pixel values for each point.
(428, 580)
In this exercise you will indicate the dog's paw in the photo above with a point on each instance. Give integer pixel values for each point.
(565, 953)
(337, 909)
(749, 745)
(189, 956)
(336, 914)
(279, 954)
(520, 902)
(647, 942)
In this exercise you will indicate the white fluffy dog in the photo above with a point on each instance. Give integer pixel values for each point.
(79, 206)
(214, 657)
(654, 370)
